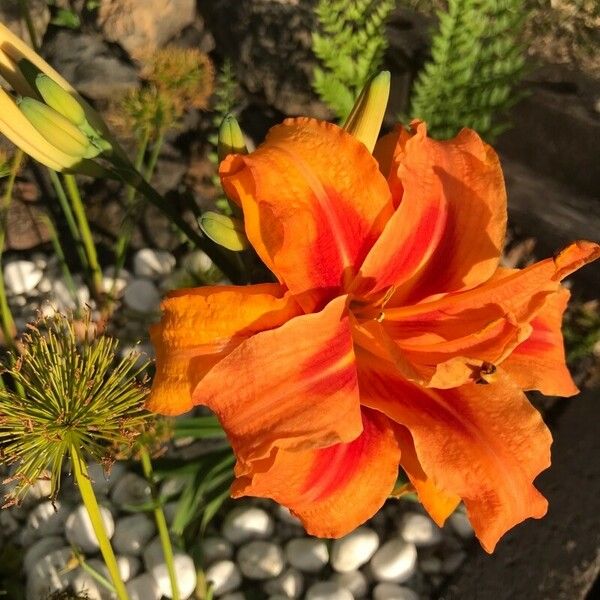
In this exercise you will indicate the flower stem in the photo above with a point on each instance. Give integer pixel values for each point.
(161, 524)
(86, 236)
(7, 322)
(91, 504)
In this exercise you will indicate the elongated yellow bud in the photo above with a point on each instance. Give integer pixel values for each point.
(60, 99)
(55, 128)
(231, 138)
(225, 231)
(366, 117)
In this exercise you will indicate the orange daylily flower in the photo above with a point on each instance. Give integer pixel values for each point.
(393, 337)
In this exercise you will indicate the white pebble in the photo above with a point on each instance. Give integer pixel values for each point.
(233, 596)
(328, 590)
(132, 533)
(197, 262)
(185, 572)
(215, 548)
(391, 591)
(289, 584)
(453, 561)
(143, 587)
(148, 262)
(431, 565)
(260, 560)
(129, 566)
(39, 260)
(21, 276)
(283, 513)
(49, 575)
(84, 584)
(131, 489)
(354, 550)
(47, 518)
(419, 529)
(113, 282)
(79, 531)
(307, 554)
(40, 549)
(461, 525)
(224, 576)
(142, 296)
(395, 561)
(101, 481)
(354, 581)
(247, 523)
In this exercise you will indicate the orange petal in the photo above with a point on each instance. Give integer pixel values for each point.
(293, 387)
(484, 443)
(314, 202)
(539, 362)
(201, 326)
(332, 490)
(438, 503)
(410, 236)
(471, 178)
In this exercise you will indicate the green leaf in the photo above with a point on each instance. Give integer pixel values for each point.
(67, 18)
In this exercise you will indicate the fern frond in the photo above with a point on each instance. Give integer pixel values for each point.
(476, 61)
(350, 46)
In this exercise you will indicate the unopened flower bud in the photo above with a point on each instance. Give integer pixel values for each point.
(231, 138)
(366, 117)
(225, 231)
(60, 99)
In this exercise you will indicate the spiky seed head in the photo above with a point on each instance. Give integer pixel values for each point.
(70, 394)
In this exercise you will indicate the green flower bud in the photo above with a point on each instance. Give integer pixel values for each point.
(225, 231)
(231, 138)
(60, 100)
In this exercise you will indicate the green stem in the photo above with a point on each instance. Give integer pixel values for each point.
(161, 524)
(91, 504)
(68, 212)
(7, 322)
(86, 236)
(156, 148)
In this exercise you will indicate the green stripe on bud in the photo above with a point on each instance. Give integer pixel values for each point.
(56, 129)
(60, 100)
(366, 117)
(225, 231)
(231, 138)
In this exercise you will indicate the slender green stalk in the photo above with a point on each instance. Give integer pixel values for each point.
(68, 212)
(91, 504)
(161, 524)
(156, 148)
(64, 267)
(86, 236)
(7, 322)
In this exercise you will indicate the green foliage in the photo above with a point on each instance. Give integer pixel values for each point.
(350, 45)
(581, 330)
(476, 60)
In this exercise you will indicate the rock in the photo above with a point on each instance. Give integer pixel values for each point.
(47, 518)
(21, 276)
(129, 566)
(90, 64)
(79, 531)
(215, 548)
(142, 296)
(354, 581)
(197, 262)
(153, 263)
(40, 549)
(289, 584)
(419, 529)
(328, 590)
(132, 533)
(224, 575)
(460, 524)
(103, 482)
(431, 565)
(141, 31)
(115, 283)
(284, 514)
(131, 489)
(395, 561)
(172, 487)
(234, 596)
(49, 575)
(8, 523)
(45, 285)
(260, 560)
(143, 587)
(247, 523)
(10, 15)
(84, 584)
(63, 298)
(391, 591)
(354, 550)
(452, 562)
(307, 554)
(185, 572)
